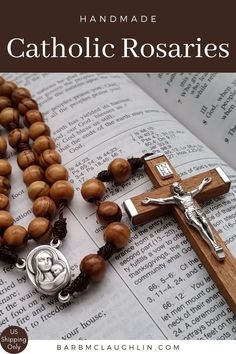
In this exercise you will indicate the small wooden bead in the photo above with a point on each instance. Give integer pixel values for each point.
(26, 105)
(38, 129)
(38, 189)
(4, 202)
(108, 212)
(49, 157)
(17, 136)
(94, 265)
(5, 185)
(43, 143)
(26, 158)
(15, 236)
(62, 191)
(9, 115)
(120, 170)
(33, 173)
(7, 88)
(117, 233)
(40, 229)
(5, 168)
(93, 190)
(19, 94)
(4, 102)
(3, 146)
(33, 116)
(6, 219)
(44, 206)
(56, 172)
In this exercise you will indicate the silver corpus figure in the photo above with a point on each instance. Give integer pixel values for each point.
(193, 213)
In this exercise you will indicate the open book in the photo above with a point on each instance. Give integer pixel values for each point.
(154, 288)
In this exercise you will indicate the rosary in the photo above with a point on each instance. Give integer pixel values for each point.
(50, 191)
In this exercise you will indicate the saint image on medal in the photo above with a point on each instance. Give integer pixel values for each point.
(49, 271)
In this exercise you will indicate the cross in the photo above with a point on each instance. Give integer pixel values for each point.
(181, 197)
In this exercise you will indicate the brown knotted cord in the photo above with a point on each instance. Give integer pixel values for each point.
(8, 256)
(135, 163)
(59, 230)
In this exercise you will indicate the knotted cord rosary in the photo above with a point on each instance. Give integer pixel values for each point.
(50, 191)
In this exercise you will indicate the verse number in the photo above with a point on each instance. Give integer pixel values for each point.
(167, 305)
(152, 287)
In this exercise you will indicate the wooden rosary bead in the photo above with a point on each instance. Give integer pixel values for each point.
(56, 172)
(17, 136)
(5, 185)
(108, 212)
(15, 236)
(120, 170)
(43, 143)
(3, 146)
(38, 129)
(62, 191)
(26, 105)
(4, 202)
(117, 233)
(40, 229)
(18, 94)
(44, 206)
(93, 190)
(26, 158)
(49, 157)
(2, 80)
(7, 88)
(38, 189)
(33, 116)
(9, 115)
(94, 265)
(5, 168)
(6, 219)
(4, 102)
(33, 173)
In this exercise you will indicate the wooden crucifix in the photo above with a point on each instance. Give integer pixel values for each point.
(181, 197)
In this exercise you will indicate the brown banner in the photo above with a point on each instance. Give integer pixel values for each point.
(128, 36)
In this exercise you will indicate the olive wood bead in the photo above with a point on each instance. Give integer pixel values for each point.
(44, 206)
(38, 189)
(93, 190)
(26, 158)
(33, 173)
(56, 172)
(6, 219)
(108, 212)
(5, 168)
(3, 146)
(19, 93)
(120, 170)
(117, 233)
(38, 129)
(15, 236)
(26, 105)
(5, 185)
(7, 88)
(94, 265)
(43, 143)
(9, 115)
(17, 136)
(49, 157)
(40, 229)
(4, 102)
(62, 191)
(33, 116)
(4, 202)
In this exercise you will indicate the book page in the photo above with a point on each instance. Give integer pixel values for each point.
(203, 102)
(155, 288)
